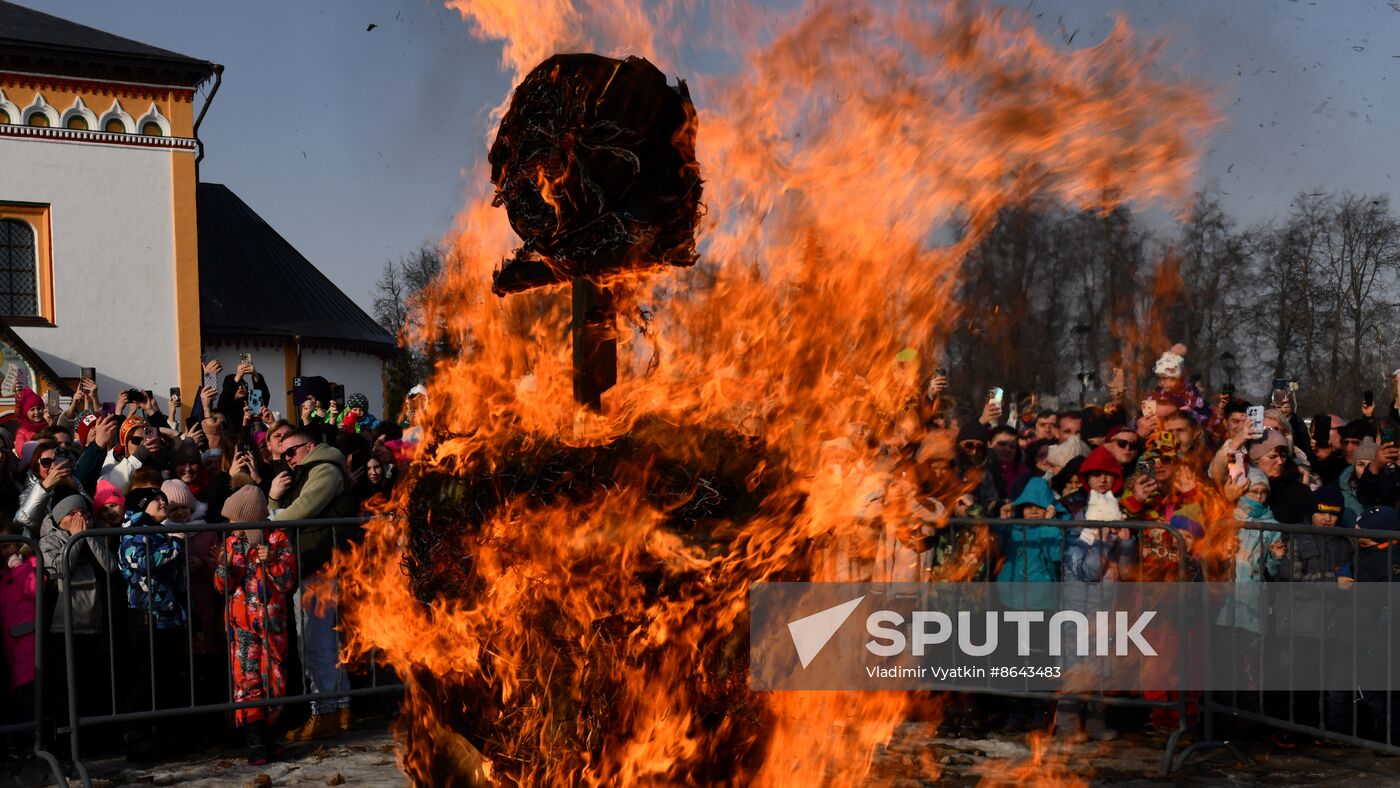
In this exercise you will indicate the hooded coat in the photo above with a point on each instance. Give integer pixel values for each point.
(1031, 553)
(27, 429)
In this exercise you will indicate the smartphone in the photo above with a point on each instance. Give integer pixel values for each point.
(175, 391)
(1237, 468)
(1256, 419)
(255, 400)
(1147, 468)
(1322, 430)
(51, 399)
(108, 409)
(1149, 408)
(88, 373)
(940, 372)
(995, 395)
(1228, 390)
(338, 394)
(135, 395)
(1389, 434)
(1368, 398)
(245, 358)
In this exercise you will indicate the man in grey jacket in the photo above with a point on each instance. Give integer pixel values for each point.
(82, 576)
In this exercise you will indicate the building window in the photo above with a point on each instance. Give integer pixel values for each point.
(39, 119)
(19, 269)
(151, 129)
(4, 116)
(115, 126)
(78, 122)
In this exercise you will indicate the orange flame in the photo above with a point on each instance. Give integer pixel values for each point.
(853, 155)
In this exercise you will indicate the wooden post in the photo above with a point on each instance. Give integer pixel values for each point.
(594, 328)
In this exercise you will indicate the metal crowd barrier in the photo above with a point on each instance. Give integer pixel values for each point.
(35, 725)
(1306, 713)
(1181, 705)
(78, 722)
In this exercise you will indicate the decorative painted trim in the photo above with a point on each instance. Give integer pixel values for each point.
(10, 109)
(41, 107)
(104, 87)
(116, 113)
(76, 135)
(153, 116)
(79, 109)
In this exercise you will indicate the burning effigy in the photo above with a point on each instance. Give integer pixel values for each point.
(563, 585)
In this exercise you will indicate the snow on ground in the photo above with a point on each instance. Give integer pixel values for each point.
(918, 756)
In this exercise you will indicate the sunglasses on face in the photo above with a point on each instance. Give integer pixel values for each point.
(1125, 444)
(971, 445)
(46, 462)
(290, 450)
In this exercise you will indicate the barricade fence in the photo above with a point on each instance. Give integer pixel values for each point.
(161, 570)
(187, 621)
(32, 723)
(1346, 557)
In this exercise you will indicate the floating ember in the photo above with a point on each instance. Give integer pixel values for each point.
(573, 606)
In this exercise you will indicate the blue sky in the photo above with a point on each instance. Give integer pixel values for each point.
(356, 144)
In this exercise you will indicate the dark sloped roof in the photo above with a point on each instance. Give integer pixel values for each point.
(253, 283)
(34, 41)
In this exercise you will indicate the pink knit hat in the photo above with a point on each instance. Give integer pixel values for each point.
(248, 505)
(177, 493)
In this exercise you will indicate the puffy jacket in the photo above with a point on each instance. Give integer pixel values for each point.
(154, 568)
(1031, 553)
(86, 572)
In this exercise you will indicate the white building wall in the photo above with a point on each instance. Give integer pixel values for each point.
(358, 372)
(113, 258)
(269, 360)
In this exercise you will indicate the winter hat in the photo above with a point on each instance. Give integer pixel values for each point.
(1172, 364)
(26, 452)
(84, 428)
(1069, 471)
(973, 431)
(1101, 461)
(1327, 500)
(212, 454)
(1061, 453)
(177, 493)
(1366, 452)
(1360, 429)
(418, 391)
(185, 454)
(248, 505)
(138, 500)
(107, 493)
(1271, 440)
(128, 425)
(1119, 429)
(65, 505)
(357, 400)
(27, 399)
(1380, 518)
(1097, 426)
(1183, 523)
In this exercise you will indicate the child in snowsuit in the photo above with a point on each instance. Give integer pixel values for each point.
(258, 572)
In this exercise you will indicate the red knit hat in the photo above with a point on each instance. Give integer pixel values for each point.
(1101, 461)
(131, 423)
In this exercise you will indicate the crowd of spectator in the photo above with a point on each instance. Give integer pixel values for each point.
(1200, 465)
(164, 618)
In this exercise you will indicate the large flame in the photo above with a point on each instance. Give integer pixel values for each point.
(853, 154)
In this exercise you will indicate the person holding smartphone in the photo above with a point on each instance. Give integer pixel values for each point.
(237, 390)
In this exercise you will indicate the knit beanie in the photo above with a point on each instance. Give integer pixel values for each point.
(1256, 476)
(1327, 500)
(177, 493)
(248, 505)
(357, 400)
(1366, 452)
(66, 505)
(1061, 453)
(1261, 446)
(187, 453)
(1172, 364)
(1183, 523)
(138, 500)
(1380, 518)
(973, 431)
(107, 493)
